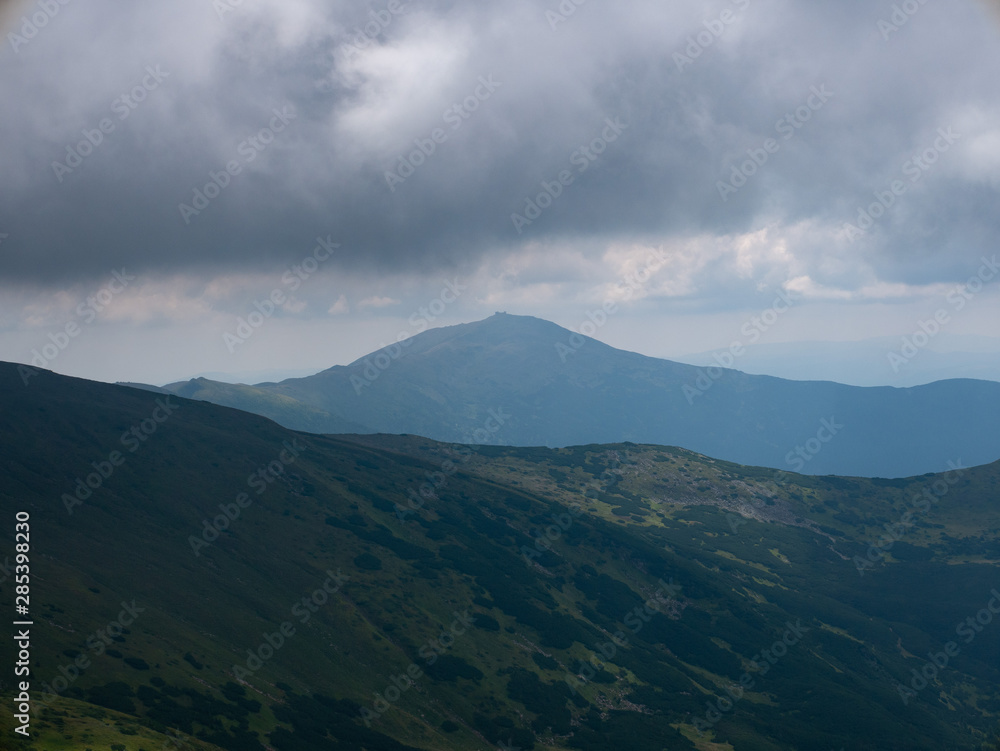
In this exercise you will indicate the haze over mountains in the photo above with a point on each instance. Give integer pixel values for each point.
(865, 363)
(523, 381)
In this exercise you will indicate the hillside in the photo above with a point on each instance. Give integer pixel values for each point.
(555, 388)
(594, 597)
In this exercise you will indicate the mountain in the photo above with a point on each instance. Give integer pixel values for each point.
(866, 363)
(204, 576)
(552, 387)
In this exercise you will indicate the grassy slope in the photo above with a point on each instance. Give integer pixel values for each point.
(262, 400)
(649, 513)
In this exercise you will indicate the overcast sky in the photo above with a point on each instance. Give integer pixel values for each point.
(467, 157)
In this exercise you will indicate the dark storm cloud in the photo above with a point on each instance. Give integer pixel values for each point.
(346, 116)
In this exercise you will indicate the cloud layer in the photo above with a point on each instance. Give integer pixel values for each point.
(539, 146)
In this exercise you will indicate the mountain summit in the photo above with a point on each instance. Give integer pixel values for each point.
(520, 380)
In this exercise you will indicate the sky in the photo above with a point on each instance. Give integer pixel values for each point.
(249, 186)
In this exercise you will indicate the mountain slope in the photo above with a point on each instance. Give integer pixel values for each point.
(263, 401)
(591, 598)
(561, 389)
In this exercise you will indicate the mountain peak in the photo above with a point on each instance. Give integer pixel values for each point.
(502, 317)
(500, 329)
(555, 387)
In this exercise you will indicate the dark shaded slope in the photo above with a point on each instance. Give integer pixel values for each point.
(313, 597)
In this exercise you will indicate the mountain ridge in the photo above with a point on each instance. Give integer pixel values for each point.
(563, 388)
(617, 592)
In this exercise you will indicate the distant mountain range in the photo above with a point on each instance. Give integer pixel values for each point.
(203, 578)
(523, 381)
(866, 363)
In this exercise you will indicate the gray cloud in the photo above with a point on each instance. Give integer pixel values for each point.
(358, 112)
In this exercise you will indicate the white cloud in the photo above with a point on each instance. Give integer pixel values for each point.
(339, 307)
(377, 301)
(402, 87)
